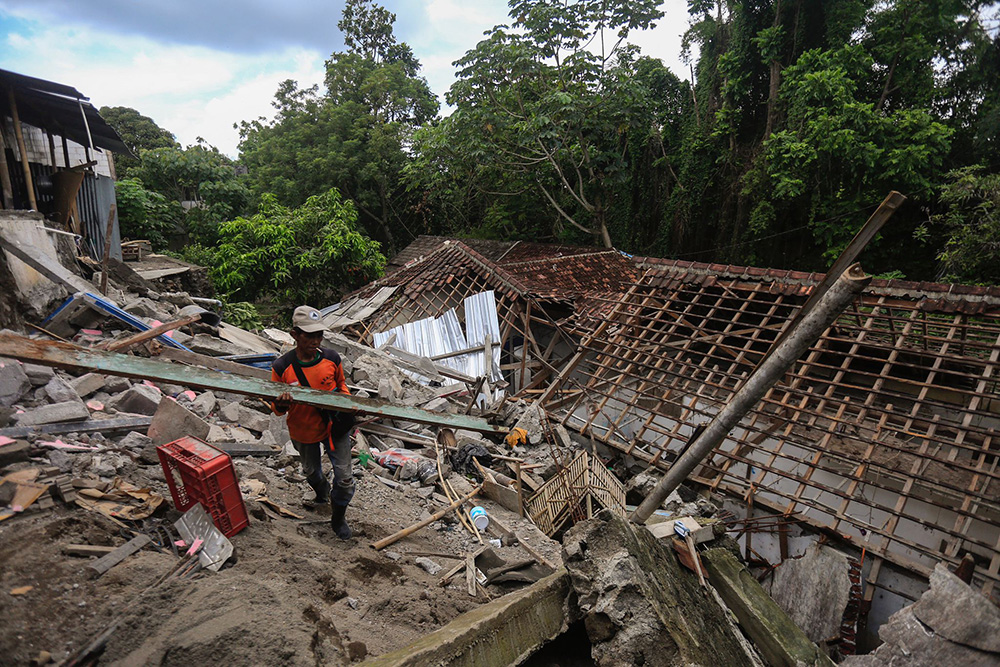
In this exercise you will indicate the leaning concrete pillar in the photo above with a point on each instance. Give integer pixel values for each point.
(810, 328)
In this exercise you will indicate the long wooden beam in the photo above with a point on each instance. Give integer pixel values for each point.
(71, 357)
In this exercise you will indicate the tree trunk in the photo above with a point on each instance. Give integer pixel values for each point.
(772, 93)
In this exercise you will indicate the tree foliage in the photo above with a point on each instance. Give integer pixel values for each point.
(970, 221)
(140, 133)
(353, 137)
(145, 215)
(549, 105)
(309, 254)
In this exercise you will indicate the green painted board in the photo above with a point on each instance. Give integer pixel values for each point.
(71, 357)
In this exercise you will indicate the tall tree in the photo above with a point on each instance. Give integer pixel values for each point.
(140, 133)
(354, 137)
(551, 101)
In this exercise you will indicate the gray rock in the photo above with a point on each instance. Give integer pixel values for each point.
(173, 421)
(54, 413)
(114, 384)
(135, 440)
(392, 555)
(430, 566)
(231, 412)
(148, 455)
(638, 605)
(61, 460)
(59, 391)
(140, 399)
(14, 382)
(144, 307)
(254, 420)
(88, 384)
(203, 404)
(437, 405)
(38, 375)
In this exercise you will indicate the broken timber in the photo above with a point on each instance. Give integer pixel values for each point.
(89, 426)
(70, 357)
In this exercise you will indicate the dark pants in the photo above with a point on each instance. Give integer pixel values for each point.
(343, 473)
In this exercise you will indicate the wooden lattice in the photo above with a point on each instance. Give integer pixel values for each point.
(572, 492)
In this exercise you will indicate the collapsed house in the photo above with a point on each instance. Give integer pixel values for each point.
(882, 438)
(57, 159)
(860, 475)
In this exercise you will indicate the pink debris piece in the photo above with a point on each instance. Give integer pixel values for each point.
(190, 395)
(195, 546)
(4, 440)
(96, 406)
(92, 332)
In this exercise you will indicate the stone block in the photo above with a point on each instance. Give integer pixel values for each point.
(140, 400)
(115, 384)
(231, 412)
(173, 421)
(54, 413)
(14, 382)
(13, 452)
(203, 404)
(437, 405)
(38, 375)
(60, 391)
(144, 307)
(135, 440)
(85, 385)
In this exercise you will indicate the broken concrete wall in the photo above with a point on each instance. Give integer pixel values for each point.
(951, 624)
(32, 291)
(639, 606)
(813, 590)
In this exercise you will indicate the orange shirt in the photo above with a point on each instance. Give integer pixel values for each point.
(306, 423)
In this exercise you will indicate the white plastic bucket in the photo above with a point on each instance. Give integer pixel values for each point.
(479, 517)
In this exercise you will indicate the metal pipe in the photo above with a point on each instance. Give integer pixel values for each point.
(810, 328)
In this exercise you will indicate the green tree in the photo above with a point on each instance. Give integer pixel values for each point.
(143, 214)
(550, 103)
(355, 136)
(313, 253)
(202, 180)
(970, 221)
(140, 133)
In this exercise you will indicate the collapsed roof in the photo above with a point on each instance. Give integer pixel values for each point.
(884, 434)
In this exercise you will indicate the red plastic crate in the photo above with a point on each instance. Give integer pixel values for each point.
(196, 472)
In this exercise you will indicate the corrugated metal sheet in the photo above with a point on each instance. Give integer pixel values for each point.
(94, 201)
(430, 337)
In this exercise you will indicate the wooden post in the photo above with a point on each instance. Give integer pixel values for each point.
(8, 189)
(395, 537)
(107, 249)
(152, 333)
(19, 135)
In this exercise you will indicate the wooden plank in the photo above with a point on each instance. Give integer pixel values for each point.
(502, 495)
(108, 561)
(780, 641)
(224, 365)
(89, 426)
(470, 574)
(61, 355)
(86, 550)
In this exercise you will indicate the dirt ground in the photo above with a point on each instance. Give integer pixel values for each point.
(296, 596)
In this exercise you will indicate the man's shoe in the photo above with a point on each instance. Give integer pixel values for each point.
(338, 523)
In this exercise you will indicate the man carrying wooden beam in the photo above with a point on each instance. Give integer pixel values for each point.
(313, 429)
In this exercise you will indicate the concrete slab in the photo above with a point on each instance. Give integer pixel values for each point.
(502, 632)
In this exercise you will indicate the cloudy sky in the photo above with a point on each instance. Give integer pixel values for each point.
(198, 66)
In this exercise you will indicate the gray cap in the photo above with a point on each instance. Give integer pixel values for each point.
(308, 319)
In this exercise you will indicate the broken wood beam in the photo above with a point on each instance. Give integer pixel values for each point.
(69, 357)
(109, 560)
(143, 336)
(395, 537)
(89, 426)
(86, 550)
(780, 641)
(809, 329)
